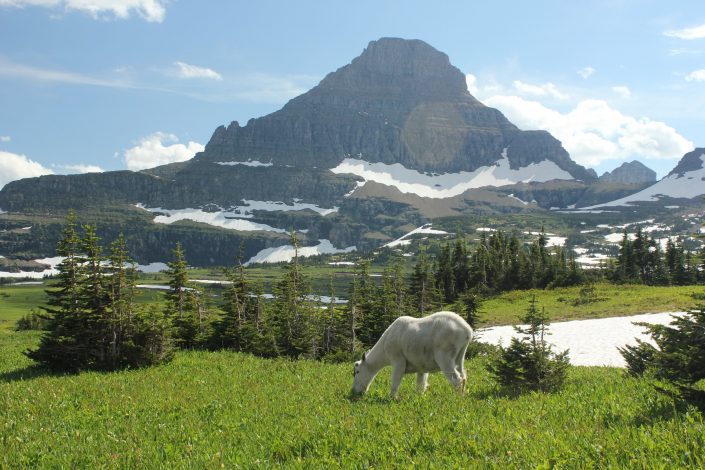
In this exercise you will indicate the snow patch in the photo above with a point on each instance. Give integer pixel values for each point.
(618, 237)
(252, 163)
(450, 184)
(51, 271)
(404, 239)
(232, 218)
(285, 253)
(152, 267)
(516, 198)
(591, 342)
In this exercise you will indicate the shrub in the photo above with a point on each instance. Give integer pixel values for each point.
(529, 364)
(679, 355)
(31, 321)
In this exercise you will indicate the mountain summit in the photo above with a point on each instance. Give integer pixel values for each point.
(400, 102)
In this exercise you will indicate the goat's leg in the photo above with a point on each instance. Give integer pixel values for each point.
(398, 369)
(421, 381)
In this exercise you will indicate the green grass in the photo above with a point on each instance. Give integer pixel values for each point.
(613, 300)
(207, 410)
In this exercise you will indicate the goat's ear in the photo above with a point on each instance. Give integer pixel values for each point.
(364, 356)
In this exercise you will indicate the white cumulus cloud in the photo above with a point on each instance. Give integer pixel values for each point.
(546, 89)
(696, 76)
(152, 151)
(5, 138)
(192, 71)
(14, 167)
(149, 10)
(586, 72)
(622, 90)
(80, 168)
(593, 131)
(696, 32)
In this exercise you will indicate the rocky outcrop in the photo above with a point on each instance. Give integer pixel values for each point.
(691, 161)
(633, 172)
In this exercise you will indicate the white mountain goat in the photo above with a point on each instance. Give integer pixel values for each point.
(421, 345)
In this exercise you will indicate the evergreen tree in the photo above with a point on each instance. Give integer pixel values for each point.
(121, 301)
(369, 319)
(183, 302)
(461, 267)
(95, 296)
(679, 355)
(529, 363)
(64, 345)
(445, 279)
(229, 330)
(293, 310)
(423, 287)
(91, 323)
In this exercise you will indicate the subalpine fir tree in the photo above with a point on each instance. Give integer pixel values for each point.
(65, 345)
(182, 301)
(91, 323)
(529, 363)
(679, 354)
(121, 300)
(293, 310)
(95, 296)
(423, 288)
(229, 331)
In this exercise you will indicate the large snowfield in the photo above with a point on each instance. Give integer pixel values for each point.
(591, 342)
(450, 184)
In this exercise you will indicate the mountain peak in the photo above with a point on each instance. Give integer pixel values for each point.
(633, 172)
(399, 67)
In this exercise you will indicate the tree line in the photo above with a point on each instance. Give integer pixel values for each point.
(641, 260)
(93, 322)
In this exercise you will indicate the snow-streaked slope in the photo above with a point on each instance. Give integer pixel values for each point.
(285, 253)
(405, 239)
(51, 271)
(450, 184)
(591, 342)
(234, 217)
(688, 186)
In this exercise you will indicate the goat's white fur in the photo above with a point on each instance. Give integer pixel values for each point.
(420, 345)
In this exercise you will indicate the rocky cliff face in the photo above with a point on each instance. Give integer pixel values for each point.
(691, 161)
(401, 101)
(633, 172)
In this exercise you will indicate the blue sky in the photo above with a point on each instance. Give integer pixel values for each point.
(116, 84)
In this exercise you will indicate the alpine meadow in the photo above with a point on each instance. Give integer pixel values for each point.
(352, 236)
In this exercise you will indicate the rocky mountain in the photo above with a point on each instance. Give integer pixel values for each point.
(685, 181)
(400, 102)
(390, 140)
(633, 172)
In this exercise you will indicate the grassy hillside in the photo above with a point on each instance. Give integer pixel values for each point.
(207, 410)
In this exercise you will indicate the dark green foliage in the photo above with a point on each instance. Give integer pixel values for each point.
(529, 364)
(294, 311)
(641, 260)
(186, 305)
(90, 320)
(679, 354)
(243, 324)
(425, 295)
(31, 321)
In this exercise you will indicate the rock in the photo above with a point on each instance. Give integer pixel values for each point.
(633, 172)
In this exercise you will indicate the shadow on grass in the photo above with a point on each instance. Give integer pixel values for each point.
(30, 373)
